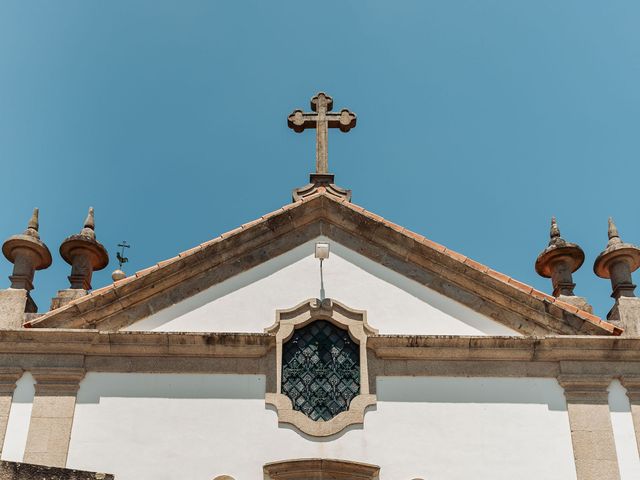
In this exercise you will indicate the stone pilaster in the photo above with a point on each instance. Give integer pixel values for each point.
(632, 384)
(8, 379)
(14, 302)
(594, 448)
(52, 415)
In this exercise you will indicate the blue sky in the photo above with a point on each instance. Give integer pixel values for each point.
(477, 121)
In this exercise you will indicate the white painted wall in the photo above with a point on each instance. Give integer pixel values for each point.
(15, 439)
(623, 432)
(195, 427)
(394, 303)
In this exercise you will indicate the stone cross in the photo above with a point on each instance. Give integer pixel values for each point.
(322, 120)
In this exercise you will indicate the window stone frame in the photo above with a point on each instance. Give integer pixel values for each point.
(355, 322)
(320, 469)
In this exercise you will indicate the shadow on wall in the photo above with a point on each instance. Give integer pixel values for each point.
(618, 400)
(472, 390)
(166, 385)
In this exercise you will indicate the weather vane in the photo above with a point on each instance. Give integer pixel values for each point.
(120, 255)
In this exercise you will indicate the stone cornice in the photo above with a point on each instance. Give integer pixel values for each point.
(91, 342)
(257, 345)
(557, 348)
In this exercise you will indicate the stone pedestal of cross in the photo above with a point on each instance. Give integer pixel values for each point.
(322, 119)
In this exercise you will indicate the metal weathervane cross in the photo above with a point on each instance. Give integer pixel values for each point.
(322, 120)
(120, 255)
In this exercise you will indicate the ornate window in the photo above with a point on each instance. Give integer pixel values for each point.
(322, 378)
(320, 370)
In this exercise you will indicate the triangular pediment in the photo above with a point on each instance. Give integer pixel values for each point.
(394, 303)
(415, 286)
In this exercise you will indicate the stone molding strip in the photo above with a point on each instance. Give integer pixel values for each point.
(558, 348)
(92, 342)
(123, 302)
(42, 342)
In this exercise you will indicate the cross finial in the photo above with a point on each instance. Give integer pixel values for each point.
(322, 120)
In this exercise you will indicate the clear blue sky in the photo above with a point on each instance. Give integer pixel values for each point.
(477, 121)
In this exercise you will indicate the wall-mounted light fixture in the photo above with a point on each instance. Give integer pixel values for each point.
(322, 253)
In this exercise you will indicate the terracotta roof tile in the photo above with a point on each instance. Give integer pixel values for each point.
(252, 223)
(542, 296)
(521, 286)
(146, 271)
(455, 255)
(498, 276)
(191, 251)
(208, 243)
(476, 265)
(231, 233)
(124, 281)
(169, 261)
(568, 307)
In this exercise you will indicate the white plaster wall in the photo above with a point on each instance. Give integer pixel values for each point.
(15, 439)
(195, 427)
(394, 303)
(623, 432)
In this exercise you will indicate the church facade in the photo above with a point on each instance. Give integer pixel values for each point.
(320, 341)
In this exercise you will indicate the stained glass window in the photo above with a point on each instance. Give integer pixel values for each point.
(321, 370)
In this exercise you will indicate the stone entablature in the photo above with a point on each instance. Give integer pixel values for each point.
(81, 348)
(583, 365)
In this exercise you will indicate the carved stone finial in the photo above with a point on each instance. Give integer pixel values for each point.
(27, 253)
(612, 233)
(33, 226)
(89, 225)
(558, 261)
(118, 275)
(617, 262)
(84, 253)
(554, 232)
(321, 120)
